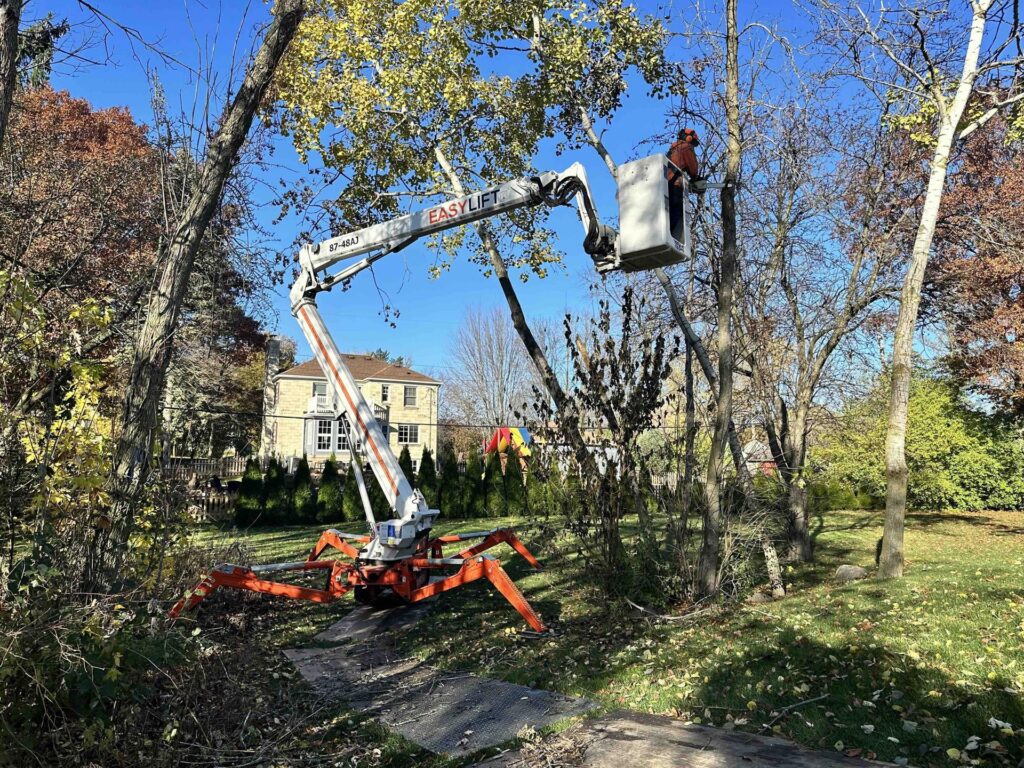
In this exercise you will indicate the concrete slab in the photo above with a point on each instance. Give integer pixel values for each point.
(650, 741)
(446, 712)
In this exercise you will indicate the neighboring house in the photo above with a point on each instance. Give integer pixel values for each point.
(759, 459)
(302, 419)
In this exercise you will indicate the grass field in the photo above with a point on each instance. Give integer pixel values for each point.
(928, 669)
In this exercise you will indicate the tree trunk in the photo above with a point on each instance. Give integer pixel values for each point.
(519, 321)
(771, 564)
(798, 528)
(10, 19)
(696, 346)
(140, 419)
(710, 553)
(891, 561)
(689, 438)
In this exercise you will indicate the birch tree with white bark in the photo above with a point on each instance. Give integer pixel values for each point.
(947, 68)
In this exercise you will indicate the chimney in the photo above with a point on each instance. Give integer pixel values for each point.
(273, 363)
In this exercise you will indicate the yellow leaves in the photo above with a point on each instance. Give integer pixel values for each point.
(953, 753)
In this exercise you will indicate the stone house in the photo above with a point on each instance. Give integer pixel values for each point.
(301, 418)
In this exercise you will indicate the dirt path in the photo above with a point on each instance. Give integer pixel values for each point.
(455, 713)
(460, 713)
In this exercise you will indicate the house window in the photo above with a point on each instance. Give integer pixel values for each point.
(342, 444)
(410, 396)
(415, 465)
(408, 433)
(324, 433)
(320, 393)
(384, 392)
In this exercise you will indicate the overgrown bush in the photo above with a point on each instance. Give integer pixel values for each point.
(619, 390)
(329, 500)
(303, 495)
(957, 457)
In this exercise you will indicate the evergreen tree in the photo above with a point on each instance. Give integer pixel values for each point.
(352, 502)
(472, 487)
(276, 503)
(329, 503)
(426, 479)
(405, 462)
(249, 503)
(303, 495)
(378, 501)
(495, 501)
(515, 485)
(535, 488)
(449, 490)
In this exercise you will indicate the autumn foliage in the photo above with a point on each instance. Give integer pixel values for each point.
(978, 274)
(80, 202)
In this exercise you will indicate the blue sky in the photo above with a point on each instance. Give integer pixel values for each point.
(430, 310)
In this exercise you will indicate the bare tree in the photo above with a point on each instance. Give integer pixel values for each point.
(822, 255)
(489, 375)
(708, 565)
(155, 340)
(910, 55)
(10, 18)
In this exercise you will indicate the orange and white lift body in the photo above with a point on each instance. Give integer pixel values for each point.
(399, 554)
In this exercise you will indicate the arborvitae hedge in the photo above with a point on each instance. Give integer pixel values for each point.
(495, 503)
(405, 462)
(353, 502)
(249, 503)
(515, 486)
(303, 495)
(449, 485)
(329, 500)
(472, 487)
(426, 479)
(276, 504)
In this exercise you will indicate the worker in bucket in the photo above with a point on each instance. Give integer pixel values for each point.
(683, 155)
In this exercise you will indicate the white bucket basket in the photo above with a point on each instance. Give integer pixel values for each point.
(645, 220)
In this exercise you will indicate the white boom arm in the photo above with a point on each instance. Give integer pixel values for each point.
(396, 539)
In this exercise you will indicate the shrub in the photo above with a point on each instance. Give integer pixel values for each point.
(495, 501)
(329, 499)
(303, 495)
(249, 504)
(378, 501)
(405, 462)
(957, 457)
(352, 502)
(515, 485)
(426, 479)
(276, 503)
(472, 487)
(449, 486)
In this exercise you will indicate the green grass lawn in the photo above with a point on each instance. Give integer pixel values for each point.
(927, 669)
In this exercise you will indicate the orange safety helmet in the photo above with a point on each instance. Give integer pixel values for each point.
(688, 134)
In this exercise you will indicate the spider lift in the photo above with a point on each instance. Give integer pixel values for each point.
(400, 554)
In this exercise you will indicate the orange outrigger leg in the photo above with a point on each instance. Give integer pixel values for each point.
(409, 578)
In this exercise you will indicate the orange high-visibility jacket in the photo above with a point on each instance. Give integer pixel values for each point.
(682, 154)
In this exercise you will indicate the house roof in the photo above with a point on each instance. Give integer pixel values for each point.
(363, 368)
